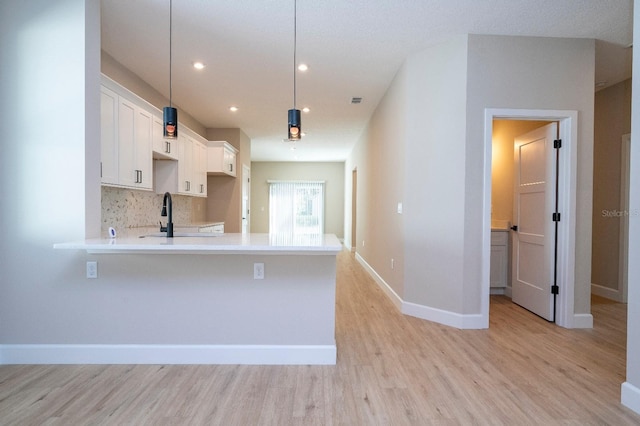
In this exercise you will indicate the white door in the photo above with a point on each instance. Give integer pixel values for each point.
(534, 206)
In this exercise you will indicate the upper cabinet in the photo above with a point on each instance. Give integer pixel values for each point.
(131, 137)
(184, 176)
(125, 133)
(221, 158)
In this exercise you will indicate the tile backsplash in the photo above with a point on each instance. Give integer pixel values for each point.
(126, 208)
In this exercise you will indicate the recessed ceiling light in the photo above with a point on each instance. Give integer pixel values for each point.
(198, 65)
(305, 109)
(303, 67)
(233, 108)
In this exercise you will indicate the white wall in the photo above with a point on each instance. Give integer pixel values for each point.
(50, 184)
(435, 176)
(529, 73)
(631, 388)
(379, 157)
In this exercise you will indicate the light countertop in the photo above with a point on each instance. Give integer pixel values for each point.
(207, 243)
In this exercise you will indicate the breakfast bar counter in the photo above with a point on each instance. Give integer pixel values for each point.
(193, 299)
(208, 243)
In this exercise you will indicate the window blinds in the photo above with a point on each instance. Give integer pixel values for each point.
(296, 208)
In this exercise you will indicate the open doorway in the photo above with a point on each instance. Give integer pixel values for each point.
(567, 121)
(502, 184)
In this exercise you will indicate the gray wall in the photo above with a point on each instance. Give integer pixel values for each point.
(331, 173)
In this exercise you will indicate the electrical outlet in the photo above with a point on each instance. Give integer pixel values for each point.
(362, 243)
(258, 271)
(92, 269)
(392, 263)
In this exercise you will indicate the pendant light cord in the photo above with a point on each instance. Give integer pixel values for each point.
(295, 33)
(170, 46)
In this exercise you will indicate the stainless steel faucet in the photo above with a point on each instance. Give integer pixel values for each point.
(167, 211)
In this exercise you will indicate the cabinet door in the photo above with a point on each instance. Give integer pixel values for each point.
(143, 158)
(202, 170)
(108, 136)
(126, 143)
(185, 165)
(229, 162)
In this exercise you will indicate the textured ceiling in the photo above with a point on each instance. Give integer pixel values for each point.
(353, 48)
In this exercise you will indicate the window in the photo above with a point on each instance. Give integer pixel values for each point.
(296, 209)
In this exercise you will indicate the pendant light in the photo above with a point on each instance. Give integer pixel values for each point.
(295, 131)
(170, 114)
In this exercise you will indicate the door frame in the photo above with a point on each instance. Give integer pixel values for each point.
(625, 177)
(568, 130)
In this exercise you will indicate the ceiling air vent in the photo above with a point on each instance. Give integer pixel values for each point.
(356, 100)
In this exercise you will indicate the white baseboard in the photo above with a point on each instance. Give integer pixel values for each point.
(169, 354)
(452, 319)
(630, 396)
(582, 321)
(606, 292)
(397, 301)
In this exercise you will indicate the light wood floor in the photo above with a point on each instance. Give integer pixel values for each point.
(391, 370)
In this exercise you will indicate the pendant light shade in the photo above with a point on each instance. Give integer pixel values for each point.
(170, 114)
(295, 123)
(170, 119)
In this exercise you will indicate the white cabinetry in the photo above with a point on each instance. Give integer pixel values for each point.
(131, 138)
(126, 142)
(221, 158)
(108, 136)
(187, 176)
(499, 264)
(200, 154)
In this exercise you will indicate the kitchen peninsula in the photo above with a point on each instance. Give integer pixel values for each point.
(225, 299)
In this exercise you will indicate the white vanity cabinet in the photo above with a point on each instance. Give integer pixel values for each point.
(125, 132)
(499, 265)
(221, 158)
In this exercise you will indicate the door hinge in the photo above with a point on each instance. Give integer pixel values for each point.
(555, 217)
(557, 143)
(555, 289)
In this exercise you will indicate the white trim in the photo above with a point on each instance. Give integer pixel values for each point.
(623, 256)
(397, 301)
(452, 319)
(581, 321)
(630, 397)
(606, 292)
(428, 313)
(568, 129)
(169, 354)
